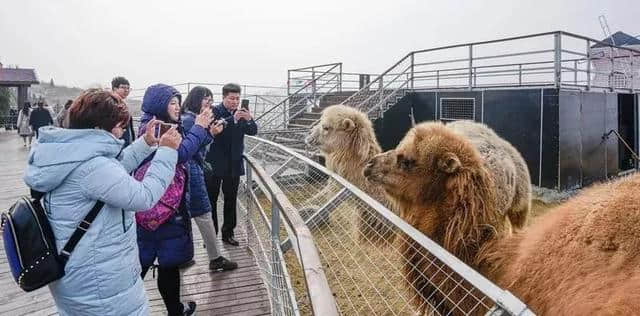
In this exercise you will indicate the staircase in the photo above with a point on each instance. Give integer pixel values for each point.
(304, 108)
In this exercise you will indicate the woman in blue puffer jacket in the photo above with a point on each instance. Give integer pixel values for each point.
(171, 242)
(200, 98)
(85, 163)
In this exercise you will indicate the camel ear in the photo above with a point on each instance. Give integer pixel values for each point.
(449, 163)
(348, 125)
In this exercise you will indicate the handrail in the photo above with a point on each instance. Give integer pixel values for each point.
(320, 293)
(297, 102)
(369, 85)
(297, 91)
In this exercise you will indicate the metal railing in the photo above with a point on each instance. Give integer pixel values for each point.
(269, 211)
(9, 122)
(261, 98)
(363, 269)
(325, 80)
(556, 59)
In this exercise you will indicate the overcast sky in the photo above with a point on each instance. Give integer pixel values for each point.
(86, 42)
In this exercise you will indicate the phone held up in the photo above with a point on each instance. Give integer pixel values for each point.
(161, 129)
(245, 104)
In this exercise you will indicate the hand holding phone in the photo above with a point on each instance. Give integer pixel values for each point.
(149, 135)
(162, 128)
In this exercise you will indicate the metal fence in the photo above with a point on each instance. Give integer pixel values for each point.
(370, 269)
(261, 98)
(555, 59)
(9, 122)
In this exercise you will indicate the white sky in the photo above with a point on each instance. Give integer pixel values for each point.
(87, 42)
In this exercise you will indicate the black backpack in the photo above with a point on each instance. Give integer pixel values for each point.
(30, 245)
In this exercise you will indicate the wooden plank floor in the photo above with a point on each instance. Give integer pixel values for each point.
(238, 292)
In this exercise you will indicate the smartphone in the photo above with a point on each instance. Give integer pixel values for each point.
(245, 104)
(161, 129)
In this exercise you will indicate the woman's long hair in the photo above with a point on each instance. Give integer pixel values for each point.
(26, 108)
(193, 102)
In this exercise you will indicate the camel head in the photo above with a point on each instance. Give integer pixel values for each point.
(344, 130)
(437, 179)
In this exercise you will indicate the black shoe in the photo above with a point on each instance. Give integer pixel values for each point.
(189, 308)
(187, 264)
(222, 263)
(230, 241)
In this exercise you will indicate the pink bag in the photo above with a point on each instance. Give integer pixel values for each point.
(152, 218)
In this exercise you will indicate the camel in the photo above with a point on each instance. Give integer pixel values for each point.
(580, 258)
(346, 139)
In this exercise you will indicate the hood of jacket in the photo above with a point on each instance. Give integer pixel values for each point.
(59, 151)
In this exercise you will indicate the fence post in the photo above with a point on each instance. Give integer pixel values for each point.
(313, 86)
(575, 72)
(275, 245)
(381, 92)
(588, 65)
(557, 59)
(632, 71)
(475, 76)
(613, 64)
(412, 69)
(340, 79)
(470, 67)
(519, 74)
(288, 82)
(188, 87)
(248, 184)
(438, 78)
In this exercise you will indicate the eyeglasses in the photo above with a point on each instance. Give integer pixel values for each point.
(124, 87)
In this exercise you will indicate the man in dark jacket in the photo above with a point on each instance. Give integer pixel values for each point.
(40, 117)
(225, 157)
(121, 87)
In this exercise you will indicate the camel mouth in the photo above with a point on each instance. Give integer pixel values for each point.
(372, 176)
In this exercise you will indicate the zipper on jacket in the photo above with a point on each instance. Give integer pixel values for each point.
(123, 227)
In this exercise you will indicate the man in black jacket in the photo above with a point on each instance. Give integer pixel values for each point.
(121, 87)
(40, 117)
(225, 157)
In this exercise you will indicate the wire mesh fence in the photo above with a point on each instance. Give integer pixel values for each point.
(372, 266)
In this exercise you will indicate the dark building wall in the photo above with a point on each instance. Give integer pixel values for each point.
(558, 133)
(570, 140)
(549, 176)
(516, 115)
(395, 123)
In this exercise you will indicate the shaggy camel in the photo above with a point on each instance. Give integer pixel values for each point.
(346, 139)
(507, 168)
(581, 258)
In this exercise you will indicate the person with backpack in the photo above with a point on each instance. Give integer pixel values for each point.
(75, 168)
(164, 231)
(198, 99)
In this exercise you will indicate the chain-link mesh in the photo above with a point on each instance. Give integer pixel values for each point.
(372, 266)
(266, 249)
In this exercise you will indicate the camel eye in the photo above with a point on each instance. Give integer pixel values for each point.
(326, 128)
(405, 163)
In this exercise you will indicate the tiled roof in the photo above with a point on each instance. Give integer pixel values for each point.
(17, 75)
(620, 38)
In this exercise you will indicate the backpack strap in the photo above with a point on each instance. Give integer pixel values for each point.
(79, 232)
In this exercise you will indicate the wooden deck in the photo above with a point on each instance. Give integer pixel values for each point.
(238, 292)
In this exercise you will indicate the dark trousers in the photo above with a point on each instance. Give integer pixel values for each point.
(169, 287)
(230, 191)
